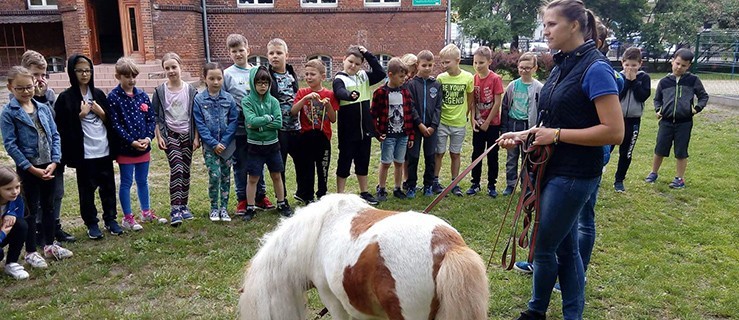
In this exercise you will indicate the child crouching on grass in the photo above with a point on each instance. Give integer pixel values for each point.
(13, 227)
(216, 117)
(394, 117)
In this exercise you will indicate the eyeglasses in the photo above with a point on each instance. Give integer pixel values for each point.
(83, 71)
(262, 83)
(527, 69)
(24, 89)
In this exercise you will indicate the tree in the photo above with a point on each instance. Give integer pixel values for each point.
(494, 22)
(623, 17)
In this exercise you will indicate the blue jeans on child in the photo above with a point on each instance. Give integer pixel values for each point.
(141, 171)
(556, 252)
(393, 149)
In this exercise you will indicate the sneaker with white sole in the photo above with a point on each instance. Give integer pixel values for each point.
(148, 215)
(129, 222)
(16, 271)
(35, 260)
(224, 215)
(524, 267)
(57, 252)
(215, 215)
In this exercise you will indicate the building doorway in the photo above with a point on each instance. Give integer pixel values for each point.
(108, 25)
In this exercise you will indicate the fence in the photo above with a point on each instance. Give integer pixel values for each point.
(717, 52)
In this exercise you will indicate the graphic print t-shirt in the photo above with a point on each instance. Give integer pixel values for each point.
(395, 112)
(520, 106)
(314, 116)
(286, 96)
(485, 91)
(456, 88)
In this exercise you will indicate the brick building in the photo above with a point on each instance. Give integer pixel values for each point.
(146, 29)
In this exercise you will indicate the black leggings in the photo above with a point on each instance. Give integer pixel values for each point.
(39, 194)
(14, 240)
(625, 150)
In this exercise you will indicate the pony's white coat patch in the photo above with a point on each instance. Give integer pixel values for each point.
(422, 268)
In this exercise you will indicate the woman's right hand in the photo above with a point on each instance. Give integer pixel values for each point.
(509, 140)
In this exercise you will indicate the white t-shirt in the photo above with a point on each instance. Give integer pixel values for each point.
(176, 111)
(95, 134)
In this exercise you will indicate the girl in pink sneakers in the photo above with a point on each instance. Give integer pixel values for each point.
(133, 121)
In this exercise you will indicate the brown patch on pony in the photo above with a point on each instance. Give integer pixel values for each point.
(443, 239)
(370, 286)
(365, 219)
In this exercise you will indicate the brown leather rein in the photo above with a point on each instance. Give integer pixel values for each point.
(531, 178)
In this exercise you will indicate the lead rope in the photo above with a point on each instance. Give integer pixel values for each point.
(531, 178)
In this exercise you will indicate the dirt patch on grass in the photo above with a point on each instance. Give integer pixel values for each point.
(719, 113)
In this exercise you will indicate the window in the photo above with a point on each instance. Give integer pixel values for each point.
(256, 3)
(327, 62)
(382, 3)
(318, 3)
(42, 4)
(383, 59)
(258, 61)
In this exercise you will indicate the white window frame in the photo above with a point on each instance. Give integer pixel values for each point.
(259, 60)
(43, 6)
(383, 3)
(383, 60)
(255, 4)
(319, 4)
(327, 63)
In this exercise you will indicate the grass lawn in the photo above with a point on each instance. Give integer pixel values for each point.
(659, 253)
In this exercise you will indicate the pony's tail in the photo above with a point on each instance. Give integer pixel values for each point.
(462, 286)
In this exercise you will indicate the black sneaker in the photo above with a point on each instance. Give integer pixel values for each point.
(285, 210)
(113, 227)
(381, 194)
(300, 199)
(532, 315)
(366, 196)
(93, 231)
(508, 191)
(457, 191)
(398, 193)
(249, 214)
(62, 236)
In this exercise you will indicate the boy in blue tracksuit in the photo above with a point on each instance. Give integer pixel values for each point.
(427, 97)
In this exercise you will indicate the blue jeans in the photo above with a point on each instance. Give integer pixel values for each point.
(556, 252)
(393, 149)
(586, 228)
(141, 171)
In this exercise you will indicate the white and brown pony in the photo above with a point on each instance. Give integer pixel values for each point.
(366, 264)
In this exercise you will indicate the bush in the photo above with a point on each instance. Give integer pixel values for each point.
(507, 62)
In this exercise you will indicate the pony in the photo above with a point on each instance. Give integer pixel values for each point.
(365, 264)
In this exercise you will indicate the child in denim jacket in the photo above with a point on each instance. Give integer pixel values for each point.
(216, 118)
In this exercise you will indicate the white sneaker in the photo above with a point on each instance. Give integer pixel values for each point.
(129, 222)
(16, 271)
(215, 215)
(34, 259)
(57, 252)
(224, 215)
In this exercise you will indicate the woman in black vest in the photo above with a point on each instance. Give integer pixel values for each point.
(579, 112)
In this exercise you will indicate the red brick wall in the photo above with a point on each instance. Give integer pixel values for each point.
(393, 33)
(13, 5)
(188, 42)
(76, 30)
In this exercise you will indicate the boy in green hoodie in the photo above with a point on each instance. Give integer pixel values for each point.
(263, 121)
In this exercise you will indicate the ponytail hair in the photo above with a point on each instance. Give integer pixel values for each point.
(574, 10)
(592, 30)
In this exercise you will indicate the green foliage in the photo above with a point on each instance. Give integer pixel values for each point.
(494, 22)
(623, 16)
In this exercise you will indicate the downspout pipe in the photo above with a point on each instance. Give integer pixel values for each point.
(205, 31)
